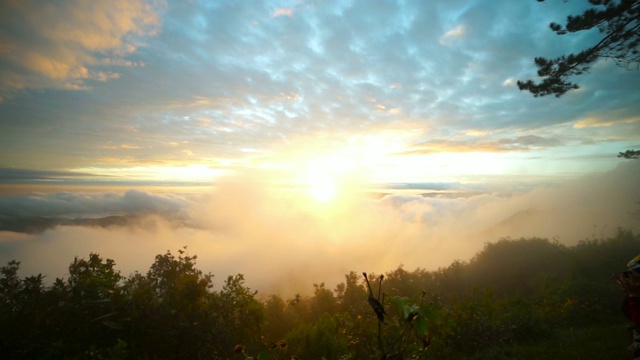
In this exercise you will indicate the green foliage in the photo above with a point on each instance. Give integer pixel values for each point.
(480, 322)
(323, 302)
(239, 314)
(170, 307)
(510, 266)
(526, 298)
(277, 319)
(415, 320)
(617, 21)
(93, 279)
(322, 339)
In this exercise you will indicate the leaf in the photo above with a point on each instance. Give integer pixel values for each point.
(407, 311)
(400, 304)
(421, 326)
(429, 313)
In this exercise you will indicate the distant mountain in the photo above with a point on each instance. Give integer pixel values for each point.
(39, 224)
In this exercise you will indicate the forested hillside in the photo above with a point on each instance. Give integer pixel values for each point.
(516, 299)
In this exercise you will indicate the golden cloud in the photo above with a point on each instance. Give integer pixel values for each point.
(56, 45)
(598, 122)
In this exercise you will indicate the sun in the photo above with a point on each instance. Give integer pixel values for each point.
(324, 177)
(332, 178)
(323, 188)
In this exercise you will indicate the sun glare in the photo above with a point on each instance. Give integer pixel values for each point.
(323, 188)
(324, 178)
(333, 178)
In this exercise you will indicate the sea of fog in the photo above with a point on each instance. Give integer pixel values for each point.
(283, 242)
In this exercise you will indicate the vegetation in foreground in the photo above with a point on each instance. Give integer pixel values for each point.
(516, 299)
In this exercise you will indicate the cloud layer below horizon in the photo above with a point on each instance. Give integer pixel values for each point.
(284, 245)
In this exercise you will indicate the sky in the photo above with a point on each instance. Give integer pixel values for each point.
(295, 141)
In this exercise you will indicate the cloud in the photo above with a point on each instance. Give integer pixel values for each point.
(284, 243)
(14, 175)
(227, 77)
(282, 12)
(472, 144)
(453, 34)
(595, 122)
(68, 44)
(70, 204)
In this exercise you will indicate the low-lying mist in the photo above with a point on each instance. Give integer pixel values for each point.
(284, 242)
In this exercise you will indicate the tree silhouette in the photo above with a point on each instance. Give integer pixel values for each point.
(470, 310)
(630, 154)
(618, 21)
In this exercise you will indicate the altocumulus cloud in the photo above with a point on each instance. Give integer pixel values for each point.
(39, 51)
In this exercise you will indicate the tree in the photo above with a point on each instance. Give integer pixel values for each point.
(356, 312)
(617, 20)
(323, 301)
(630, 154)
(322, 339)
(350, 294)
(93, 280)
(277, 322)
(172, 309)
(82, 316)
(510, 266)
(241, 315)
